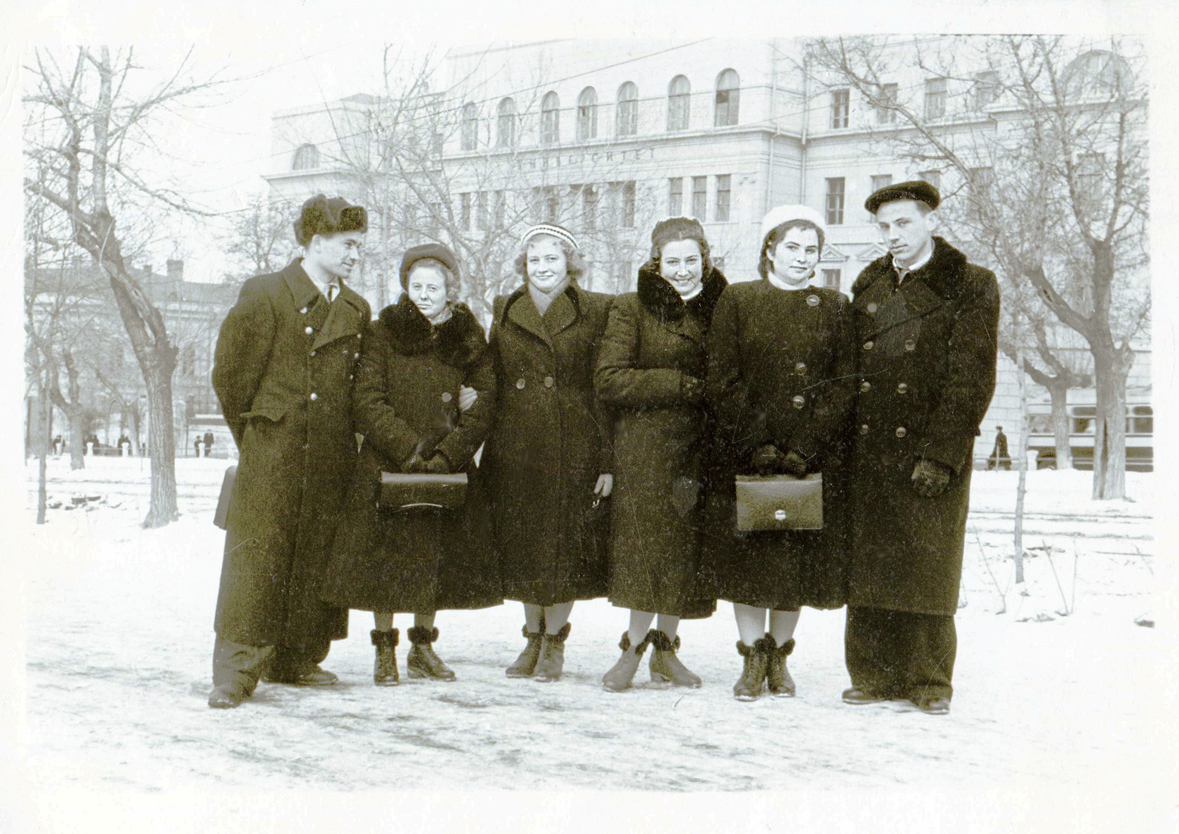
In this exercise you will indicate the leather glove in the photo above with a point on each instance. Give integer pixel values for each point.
(437, 465)
(792, 463)
(930, 478)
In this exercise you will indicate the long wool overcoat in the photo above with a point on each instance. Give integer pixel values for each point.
(283, 372)
(651, 375)
(422, 559)
(926, 375)
(548, 444)
(781, 369)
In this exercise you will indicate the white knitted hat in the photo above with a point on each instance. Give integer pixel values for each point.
(781, 214)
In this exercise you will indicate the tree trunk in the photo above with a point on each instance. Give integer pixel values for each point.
(161, 440)
(1061, 427)
(77, 438)
(1021, 489)
(43, 451)
(1110, 370)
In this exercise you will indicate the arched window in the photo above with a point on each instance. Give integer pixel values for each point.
(678, 103)
(306, 157)
(1097, 73)
(505, 134)
(470, 132)
(728, 98)
(587, 115)
(550, 119)
(626, 116)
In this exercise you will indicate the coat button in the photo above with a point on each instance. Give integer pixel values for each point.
(798, 400)
(312, 353)
(308, 330)
(446, 397)
(314, 396)
(868, 345)
(548, 382)
(520, 383)
(357, 335)
(910, 344)
(865, 386)
(303, 311)
(356, 356)
(864, 429)
(901, 431)
(812, 300)
(800, 368)
(903, 388)
(872, 307)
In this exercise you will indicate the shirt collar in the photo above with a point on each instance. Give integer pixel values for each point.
(902, 271)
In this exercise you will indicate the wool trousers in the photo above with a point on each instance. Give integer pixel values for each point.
(899, 654)
(237, 663)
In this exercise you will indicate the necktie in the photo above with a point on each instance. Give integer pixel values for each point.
(331, 293)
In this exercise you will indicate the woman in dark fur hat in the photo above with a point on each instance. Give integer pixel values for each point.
(651, 373)
(416, 357)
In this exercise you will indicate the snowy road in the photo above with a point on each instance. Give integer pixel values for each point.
(119, 636)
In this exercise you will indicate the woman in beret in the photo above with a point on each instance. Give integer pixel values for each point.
(651, 374)
(781, 380)
(415, 358)
(548, 455)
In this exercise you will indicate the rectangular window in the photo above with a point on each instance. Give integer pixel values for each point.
(1090, 171)
(718, 263)
(834, 200)
(980, 182)
(935, 98)
(435, 219)
(481, 213)
(699, 197)
(589, 202)
(885, 115)
(840, 105)
(723, 197)
(880, 181)
(675, 199)
(465, 211)
(499, 209)
(986, 89)
(628, 205)
(626, 276)
(831, 279)
(934, 178)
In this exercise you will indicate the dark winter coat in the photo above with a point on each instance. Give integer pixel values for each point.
(926, 375)
(781, 368)
(283, 372)
(547, 447)
(424, 559)
(650, 373)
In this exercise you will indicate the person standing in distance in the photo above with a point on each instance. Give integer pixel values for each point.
(283, 372)
(926, 322)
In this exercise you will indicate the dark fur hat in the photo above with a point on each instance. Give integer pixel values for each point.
(321, 216)
(918, 190)
(436, 251)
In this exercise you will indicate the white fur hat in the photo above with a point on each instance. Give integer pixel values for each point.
(779, 215)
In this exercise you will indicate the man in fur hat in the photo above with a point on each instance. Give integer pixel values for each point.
(283, 372)
(926, 323)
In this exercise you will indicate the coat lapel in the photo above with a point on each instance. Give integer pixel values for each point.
(522, 313)
(342, 317)
(561, 314)
(913, 300)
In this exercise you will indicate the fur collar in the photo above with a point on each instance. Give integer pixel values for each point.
(944, 273)
(663, 302)
(459, 341)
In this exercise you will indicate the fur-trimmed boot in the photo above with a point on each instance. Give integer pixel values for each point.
(623, 672)
(666, 667)
(385, 666)
(552, 655)
(753, 678)
(422, 662)
(525, 664)
(778, 678)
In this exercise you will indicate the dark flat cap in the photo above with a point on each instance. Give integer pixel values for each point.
(436, 251)
(321, 216)
(916, 190)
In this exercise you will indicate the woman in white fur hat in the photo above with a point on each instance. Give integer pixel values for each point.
(781, 381)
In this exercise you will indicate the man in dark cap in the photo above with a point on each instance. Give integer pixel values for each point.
(926, 322)
(283, 372)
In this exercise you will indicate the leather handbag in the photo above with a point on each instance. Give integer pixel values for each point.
(222, 513)
(779, 502)
(401, 491)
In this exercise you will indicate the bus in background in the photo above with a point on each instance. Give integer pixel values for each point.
(1139, 431)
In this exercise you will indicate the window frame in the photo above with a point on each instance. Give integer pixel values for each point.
(626, 110)
(732, 99)
(679, 105)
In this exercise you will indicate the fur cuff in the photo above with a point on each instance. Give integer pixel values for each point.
(384, 638)
(662, 642)
(420, 634)
(560, 636)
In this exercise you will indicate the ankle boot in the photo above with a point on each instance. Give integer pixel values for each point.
(422, 662)
(525, 664)
(753, 677)
(623, 672)
(385, 666)
(665, 666)
(552, 655)
(778, 678)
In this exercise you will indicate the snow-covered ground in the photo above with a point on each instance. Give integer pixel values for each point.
(1063, 716)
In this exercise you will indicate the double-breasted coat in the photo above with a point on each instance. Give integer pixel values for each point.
(407, 385)
(781, 367)
(926, 374)
(651, 375)
(283, 371)
(548, 444)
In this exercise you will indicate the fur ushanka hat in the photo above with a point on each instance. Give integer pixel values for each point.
(321, 216)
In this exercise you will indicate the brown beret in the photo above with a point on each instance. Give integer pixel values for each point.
(918, 190)
(436, 251)
(321, 216)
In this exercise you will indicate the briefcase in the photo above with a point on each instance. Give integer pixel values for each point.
(223, 500)
(779, 502)
(402, 492)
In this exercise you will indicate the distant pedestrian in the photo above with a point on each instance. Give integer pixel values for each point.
(999, 455)
(196, 446)
(207, 441)
(124, 445)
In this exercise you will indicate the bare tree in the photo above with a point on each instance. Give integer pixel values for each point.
(1048, 146)
(259, 239)
(86, 134)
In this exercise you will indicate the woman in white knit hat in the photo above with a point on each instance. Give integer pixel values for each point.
(781, 381)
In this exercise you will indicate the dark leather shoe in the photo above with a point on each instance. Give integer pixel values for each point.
(226, 696)
(552, 656)
(385, 664)
(778, 679)
(525, 664)
(313, 676)
(622, 673)
(753, 676)
(666, 667)
(422, 661)
(936, 706)
(859, 696)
